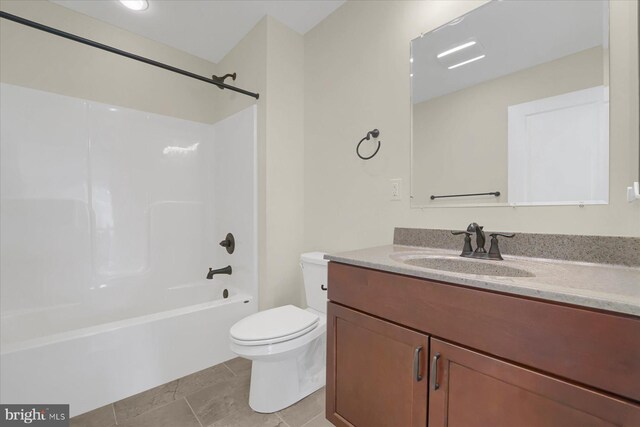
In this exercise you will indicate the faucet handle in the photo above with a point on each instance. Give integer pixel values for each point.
(467, 249)
(229, 242)
(494, 250)
(509, 235)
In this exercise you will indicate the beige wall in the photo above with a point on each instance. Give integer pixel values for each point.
(285, 167)
(357, 78)
(460, 139)
(270, 59)
(249, 60)
(35, 59)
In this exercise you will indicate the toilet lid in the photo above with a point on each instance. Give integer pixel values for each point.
(274, 325)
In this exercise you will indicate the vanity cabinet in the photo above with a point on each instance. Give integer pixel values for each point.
(380, 377)
(498, 359)
(470, 389)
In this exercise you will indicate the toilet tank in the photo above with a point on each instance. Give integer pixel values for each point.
(314, 272)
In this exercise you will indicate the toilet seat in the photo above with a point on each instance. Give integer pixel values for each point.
(283, 349)
(273, 326)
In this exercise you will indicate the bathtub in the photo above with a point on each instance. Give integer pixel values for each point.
(89, 357)
(109, 220)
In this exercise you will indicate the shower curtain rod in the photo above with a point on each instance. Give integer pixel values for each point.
(120, 52)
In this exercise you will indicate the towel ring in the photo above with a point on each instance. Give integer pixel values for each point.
(372, 133)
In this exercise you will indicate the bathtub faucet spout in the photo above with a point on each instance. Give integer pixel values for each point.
(224, 270)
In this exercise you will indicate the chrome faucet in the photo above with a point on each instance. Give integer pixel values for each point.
(480, 252)
(224, 270)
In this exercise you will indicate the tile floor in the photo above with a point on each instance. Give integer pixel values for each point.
(215, 397)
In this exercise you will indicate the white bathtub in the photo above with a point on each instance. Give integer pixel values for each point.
(109, 221)
(91, 365)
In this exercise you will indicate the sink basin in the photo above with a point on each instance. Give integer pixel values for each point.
(467, 266)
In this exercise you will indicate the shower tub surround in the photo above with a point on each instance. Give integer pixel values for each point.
(110, 220)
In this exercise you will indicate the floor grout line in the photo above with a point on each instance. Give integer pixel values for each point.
(193, 412)
(115, 417)
(153, 408)
(281, 419)
(321, 414)
(230, 370)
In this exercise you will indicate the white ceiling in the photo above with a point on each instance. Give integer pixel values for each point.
(514, 35)
(205, 28)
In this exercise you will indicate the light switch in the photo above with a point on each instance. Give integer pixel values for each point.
(396, 188)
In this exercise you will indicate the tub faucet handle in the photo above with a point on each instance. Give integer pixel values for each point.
(229, 242)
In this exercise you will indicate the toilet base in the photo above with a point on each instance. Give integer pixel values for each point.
(277, 384)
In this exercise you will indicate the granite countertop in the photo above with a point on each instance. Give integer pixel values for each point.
(603, 286)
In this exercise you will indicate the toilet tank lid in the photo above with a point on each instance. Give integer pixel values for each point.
(314, 258)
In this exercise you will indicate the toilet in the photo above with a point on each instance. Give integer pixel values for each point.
(287, 344)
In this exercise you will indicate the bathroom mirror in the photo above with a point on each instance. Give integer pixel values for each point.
(510, 106)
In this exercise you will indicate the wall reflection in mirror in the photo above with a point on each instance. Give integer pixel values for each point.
(513, 98)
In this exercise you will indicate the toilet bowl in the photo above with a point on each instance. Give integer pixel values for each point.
(287, 344)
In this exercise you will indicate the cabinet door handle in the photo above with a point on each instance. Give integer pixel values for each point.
(416, 364)
(434, 372)
(323, 287)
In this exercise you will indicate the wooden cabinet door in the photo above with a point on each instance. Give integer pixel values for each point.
(470, 389)
(375, 371)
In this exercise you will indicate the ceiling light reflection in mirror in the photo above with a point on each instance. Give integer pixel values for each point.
(512, 98)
